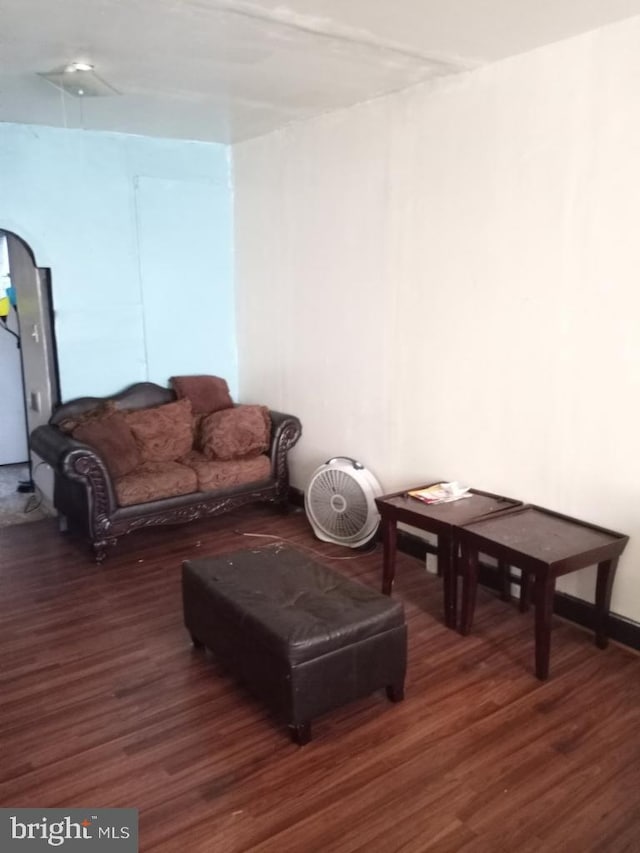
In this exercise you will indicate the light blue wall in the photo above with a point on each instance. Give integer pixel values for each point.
(138, 235)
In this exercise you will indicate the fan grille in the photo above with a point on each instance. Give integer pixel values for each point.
(338, 504)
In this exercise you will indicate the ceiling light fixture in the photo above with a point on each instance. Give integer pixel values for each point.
(78, 66)
(80, 80)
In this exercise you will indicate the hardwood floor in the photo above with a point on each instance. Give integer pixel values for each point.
(104, 703)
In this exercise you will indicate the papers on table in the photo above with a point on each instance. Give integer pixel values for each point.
(441, 493)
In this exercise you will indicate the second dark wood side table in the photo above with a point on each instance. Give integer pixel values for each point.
(545, 545)
(443, 520)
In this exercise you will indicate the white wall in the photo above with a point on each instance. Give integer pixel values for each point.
(444, 283)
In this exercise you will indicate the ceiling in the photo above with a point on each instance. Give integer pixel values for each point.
(227, 70)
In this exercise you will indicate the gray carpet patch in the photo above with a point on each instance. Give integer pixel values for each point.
(15, 507)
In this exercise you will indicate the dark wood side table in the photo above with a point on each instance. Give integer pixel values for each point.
(545, 545)
(441, 519)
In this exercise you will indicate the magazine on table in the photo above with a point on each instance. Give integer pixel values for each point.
(441, 493)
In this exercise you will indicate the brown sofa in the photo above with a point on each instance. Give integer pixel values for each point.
(150, 456)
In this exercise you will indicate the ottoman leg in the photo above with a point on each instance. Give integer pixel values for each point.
(395, 692)
(196, 642)
(300, 733)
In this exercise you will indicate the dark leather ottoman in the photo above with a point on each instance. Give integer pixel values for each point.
(302, 637)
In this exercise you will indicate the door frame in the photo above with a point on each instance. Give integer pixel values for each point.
(39, 372)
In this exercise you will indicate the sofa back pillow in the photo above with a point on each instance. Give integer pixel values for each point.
(206, 393)
(163, 433)
(111, 437)
(236, 433)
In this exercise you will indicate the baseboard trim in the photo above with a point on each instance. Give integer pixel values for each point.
(567, 606)
(296, 496)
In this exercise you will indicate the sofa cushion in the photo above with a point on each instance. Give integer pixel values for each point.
(163, 433)
(111, 437)
(154, 481)
(220, 474)
(236, 433)
(206, 393)
(197, 430)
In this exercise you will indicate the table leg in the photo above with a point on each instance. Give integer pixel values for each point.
(604, 584)
(525, 591)
(448, 568)
(469, 561)
(544, 591)
(389, 542)
(505, 580)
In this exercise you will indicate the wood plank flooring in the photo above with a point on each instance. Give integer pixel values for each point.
(104, 703)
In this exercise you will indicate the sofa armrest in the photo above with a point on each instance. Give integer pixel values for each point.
(76, 461)
(285, 432)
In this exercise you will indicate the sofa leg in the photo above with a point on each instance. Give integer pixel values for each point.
(100, 549)
(395, 692)
(300, 733)
(63, 523)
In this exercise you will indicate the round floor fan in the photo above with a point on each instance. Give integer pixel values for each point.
(340, 502)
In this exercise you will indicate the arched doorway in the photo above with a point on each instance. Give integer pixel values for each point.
(29, 373)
